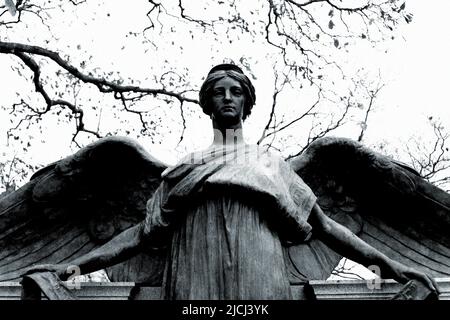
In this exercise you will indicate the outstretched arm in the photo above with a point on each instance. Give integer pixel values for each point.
(118, 249)
(346, 243)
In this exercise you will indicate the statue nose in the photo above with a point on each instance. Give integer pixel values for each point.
(227, 95)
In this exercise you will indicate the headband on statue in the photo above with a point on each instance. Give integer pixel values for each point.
(227, 70)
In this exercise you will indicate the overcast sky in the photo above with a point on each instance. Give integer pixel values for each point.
(415, 69)
(418, 71)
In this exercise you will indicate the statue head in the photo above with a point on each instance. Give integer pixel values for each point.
(234, 72)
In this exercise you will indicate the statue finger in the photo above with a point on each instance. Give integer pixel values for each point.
(435, 285)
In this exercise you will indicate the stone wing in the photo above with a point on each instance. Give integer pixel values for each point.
(384, 202)
(76, 204)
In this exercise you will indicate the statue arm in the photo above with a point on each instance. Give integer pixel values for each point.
(120, 248)
(123, 246)
(346, 243)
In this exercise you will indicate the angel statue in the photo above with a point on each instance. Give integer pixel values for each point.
(234, 221)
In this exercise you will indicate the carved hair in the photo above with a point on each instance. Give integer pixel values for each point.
(219, 72)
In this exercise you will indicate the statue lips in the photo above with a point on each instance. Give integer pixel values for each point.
(228, 108)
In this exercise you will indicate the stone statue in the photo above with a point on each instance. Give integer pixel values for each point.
(230, 222)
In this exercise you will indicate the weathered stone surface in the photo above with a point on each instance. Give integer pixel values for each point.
(367, 290)
(415, 290)
(237, 223)
(324, 290)
(86, 291)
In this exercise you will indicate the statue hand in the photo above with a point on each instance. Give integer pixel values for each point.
(61, 270)
(406, 273)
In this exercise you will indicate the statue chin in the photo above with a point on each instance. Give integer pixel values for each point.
(228, 121)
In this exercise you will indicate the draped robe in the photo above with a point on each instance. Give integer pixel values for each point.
(225, 215)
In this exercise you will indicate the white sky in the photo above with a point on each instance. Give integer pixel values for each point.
(419, 68)
(416, 71)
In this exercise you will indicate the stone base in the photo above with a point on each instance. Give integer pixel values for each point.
(323, 290)
(368, 289)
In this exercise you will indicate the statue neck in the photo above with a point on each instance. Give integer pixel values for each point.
(231, 135)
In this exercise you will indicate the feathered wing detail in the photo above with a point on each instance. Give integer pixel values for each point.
(384, 202)
(76, 204)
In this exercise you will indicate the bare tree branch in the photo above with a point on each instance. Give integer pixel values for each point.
(272, 111)
(432, 160)
(372, 96)
(307, 3)
(313, 136)
(50, 102)
(102, 84)
(200, 22)
(25, 52)
(279, 128)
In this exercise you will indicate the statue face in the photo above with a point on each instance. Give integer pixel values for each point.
(227, 101)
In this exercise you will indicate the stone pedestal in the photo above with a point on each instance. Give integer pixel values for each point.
(367, 290)
(323, 290)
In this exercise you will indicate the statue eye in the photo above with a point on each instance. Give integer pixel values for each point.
(237, 91)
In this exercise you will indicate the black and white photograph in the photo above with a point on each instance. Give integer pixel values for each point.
(202, 151)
